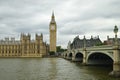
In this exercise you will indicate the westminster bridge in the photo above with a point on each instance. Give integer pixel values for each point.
(98, 55)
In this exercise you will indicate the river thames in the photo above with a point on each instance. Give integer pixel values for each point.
(50, 69)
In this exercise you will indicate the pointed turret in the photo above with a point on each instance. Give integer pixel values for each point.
(91, 37)
(52, 18)
(107, 37)
(84, 37)
(53, 15)
(41, 35)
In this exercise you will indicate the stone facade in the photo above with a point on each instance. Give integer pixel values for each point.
(79, 43)
(53, 36)
(25, 47)
(111, 41)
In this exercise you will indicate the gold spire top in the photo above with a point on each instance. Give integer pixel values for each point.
(53, 18)
(53, 14)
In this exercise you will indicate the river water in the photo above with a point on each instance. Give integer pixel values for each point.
(50, 69)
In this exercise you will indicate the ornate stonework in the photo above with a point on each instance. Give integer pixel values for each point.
(53, 30)
(25, 47)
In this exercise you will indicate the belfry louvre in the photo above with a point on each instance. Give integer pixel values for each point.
(25, 47)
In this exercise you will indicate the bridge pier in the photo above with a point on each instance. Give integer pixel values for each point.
(68, 58)
(116, 56)
(116, 64)
(76, 58)
(84, 56)
(116, 70)
(73, 57)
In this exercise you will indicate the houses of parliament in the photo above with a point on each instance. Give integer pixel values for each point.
(25, 47)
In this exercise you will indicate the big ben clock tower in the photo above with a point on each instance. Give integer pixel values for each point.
(53, 30)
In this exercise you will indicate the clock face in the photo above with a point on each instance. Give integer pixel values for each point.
(52, 27)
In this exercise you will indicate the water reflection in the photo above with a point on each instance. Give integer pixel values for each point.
(50, 69)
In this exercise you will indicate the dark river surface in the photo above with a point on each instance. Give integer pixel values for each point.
(50, 69)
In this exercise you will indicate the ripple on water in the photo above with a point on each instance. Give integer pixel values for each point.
(49, 69)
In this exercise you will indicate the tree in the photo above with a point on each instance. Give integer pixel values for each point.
(52, 53)
(59, 49)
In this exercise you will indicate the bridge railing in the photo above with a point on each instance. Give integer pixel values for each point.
(94, 47)
(102, 47)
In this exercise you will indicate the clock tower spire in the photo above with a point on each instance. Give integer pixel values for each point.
(53, 30)
(53, 18)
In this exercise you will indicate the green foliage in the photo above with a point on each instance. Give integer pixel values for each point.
(59, 49)
(52, 53)
(100, 44)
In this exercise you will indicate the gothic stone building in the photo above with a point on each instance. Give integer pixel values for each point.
(25, 47)
(53, 33)
(111, 41)
(79, 43)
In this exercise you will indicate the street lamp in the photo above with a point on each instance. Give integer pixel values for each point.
(116, 31)
(84, 42)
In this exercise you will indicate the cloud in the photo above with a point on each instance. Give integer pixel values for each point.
(73, 17)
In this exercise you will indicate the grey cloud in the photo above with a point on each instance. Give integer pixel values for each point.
(73, 17)
(32, 28)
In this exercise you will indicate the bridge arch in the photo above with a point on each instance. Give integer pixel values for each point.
(79, 57)
(99, 58)
(65, 55)
(70, 56)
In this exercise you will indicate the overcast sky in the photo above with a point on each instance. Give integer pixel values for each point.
(73, 17)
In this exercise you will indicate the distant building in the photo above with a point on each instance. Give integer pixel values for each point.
(110, 41)
(79, 43)
(25, 47)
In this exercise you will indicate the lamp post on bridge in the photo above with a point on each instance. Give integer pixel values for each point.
(84, 42)
(84, 51)
(116, 31)
(116, 56)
